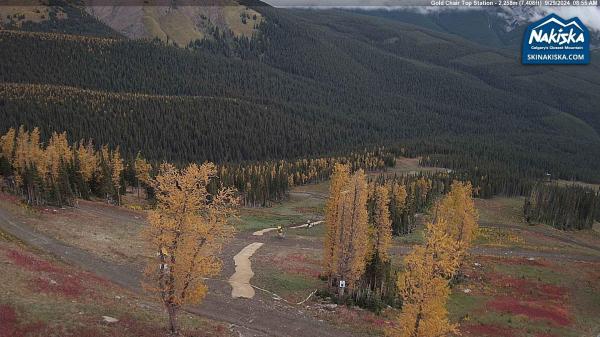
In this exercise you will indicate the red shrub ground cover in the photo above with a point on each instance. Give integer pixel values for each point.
(31, 263)
(68, 286)
(53, 279)
(534, 310)
(527, 289)
(10, 326)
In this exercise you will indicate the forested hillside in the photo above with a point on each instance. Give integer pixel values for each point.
(311, 82)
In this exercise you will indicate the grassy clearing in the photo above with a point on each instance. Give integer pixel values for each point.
(498, 237)
(511, 231)
(290, 272)
(233, 17)
(321, 189)
(531, 273)
(42, 297)
(303, 204)
(408, 166)
(579, 183)
(317, 231)
(501, 210)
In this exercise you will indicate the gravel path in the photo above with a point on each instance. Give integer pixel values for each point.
(261, 316)
(240, 280)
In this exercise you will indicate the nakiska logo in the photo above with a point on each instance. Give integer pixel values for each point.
(553, 40)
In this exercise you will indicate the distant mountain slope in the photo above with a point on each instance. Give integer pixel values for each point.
(178, 24)
(173, 24)
(61, 17)
(498, 26)
(311, 82)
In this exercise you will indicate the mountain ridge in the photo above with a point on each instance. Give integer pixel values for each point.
(344, 81)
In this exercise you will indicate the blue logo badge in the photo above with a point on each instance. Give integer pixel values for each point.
(553, 40)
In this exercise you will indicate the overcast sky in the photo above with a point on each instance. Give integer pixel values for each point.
(589, 15)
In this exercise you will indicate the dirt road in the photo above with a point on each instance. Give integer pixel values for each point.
(260, 316)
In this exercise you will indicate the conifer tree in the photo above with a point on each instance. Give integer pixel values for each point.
(398, 207)
(458, 209)
(382, 223)
(425, 294)
(347, 244)
(339, 180)
(187, 230)
(7, 145)
(88, 162)
(116, 168)
(142, 171)
(353, 237)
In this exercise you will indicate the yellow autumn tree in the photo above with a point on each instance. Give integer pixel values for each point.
(116, 168)
(187, 230)
(35, 151)
(353, 232)
(58, 152)
(443, 247)
(382, 223)
(398, 197)
(425, 294)
(88, 161)
(347, 245)
(7, 145)
(458, 209)
(339, 180)
(142, 171)
(424, 284)
(21, 155)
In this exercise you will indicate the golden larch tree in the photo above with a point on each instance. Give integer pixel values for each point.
(424, 284)
(88, 161)
(58, 152)
(382, 223)
(116, 168)
(21, 155)
(36, 153)
(353, 232)
(142, 170)
(443, 247)
(424, 294)
(398, 197)
(7, 145)
(339, 180)
(458, 209)
(187, 230)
